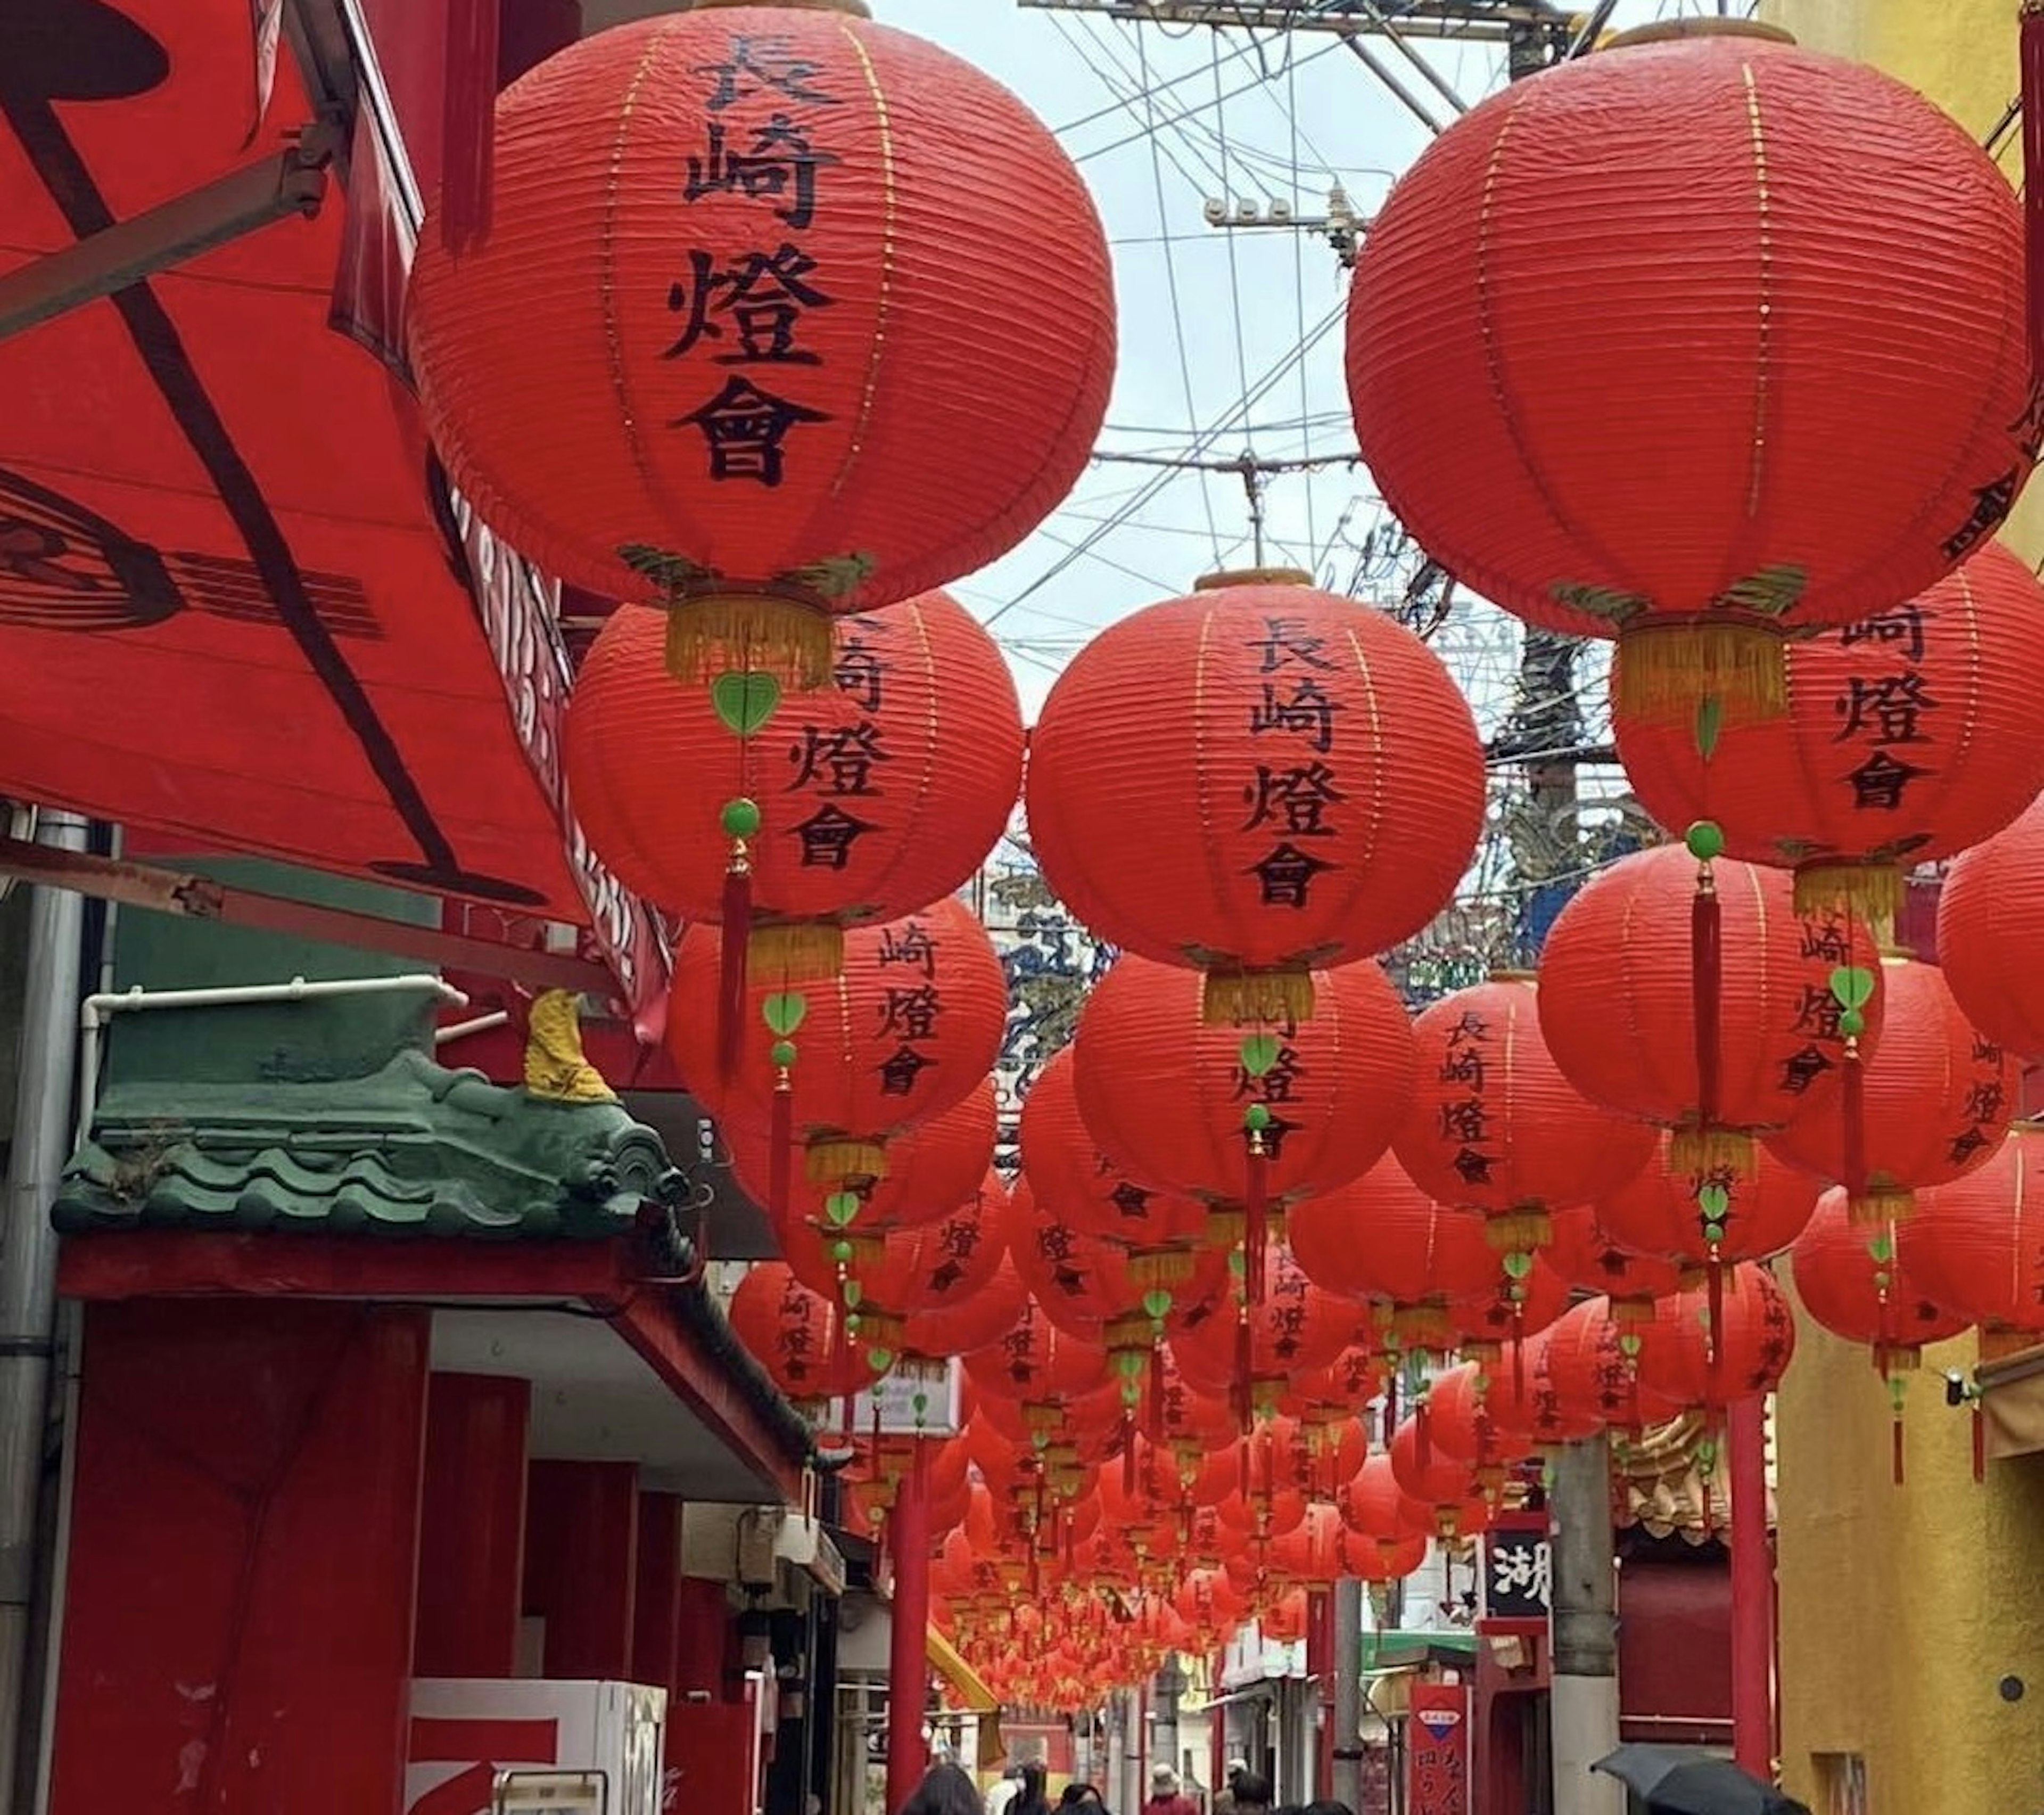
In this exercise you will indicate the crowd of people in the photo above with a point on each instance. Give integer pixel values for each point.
(948, 1789)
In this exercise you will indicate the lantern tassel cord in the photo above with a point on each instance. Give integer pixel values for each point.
(468, 124)
(1423, 1437)
(1852, 1117)
(1896, 1447)
(1256, 1226)
(1706, 989)
(1713, 1286)
(2032, 54)
(736, 914)
(780, 1165)
(1157, 1393)
(1243, 1404)
(1128, 1458)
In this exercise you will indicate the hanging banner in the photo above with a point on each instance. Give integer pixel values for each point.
(1437, 1750)
(1516, 1582)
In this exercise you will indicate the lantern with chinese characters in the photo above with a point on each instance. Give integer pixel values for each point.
(1461, 1428)
(1372, 1506)
(1696, 1355)
(1593, 1365)
(1908, 738)
(1629, 403)
(1990, 929)
(799, 1336)
(961, 1326)
(1245, 1120)
(1976, 1245)
(1038, 1366)
(1695, 1218)
(860, 802)
(1495, 1127)
(1693, 995)
(1252, 1351)
(1588, 1255)
(773, 344)
(1938, 1099)
(1256, 782)
(910, 1028)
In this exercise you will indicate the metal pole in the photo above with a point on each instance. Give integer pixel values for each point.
(1585, 1686)
(908, 1654)
(1752, 1592)
(28, 1276)
(1170, 1688)
(1346, 1664)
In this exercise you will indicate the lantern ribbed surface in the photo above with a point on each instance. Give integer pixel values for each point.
(922, 1268)
(1938, 1098)
(1035, 1363)
(1976, 1245)
(1625, 340)
(910, 1028)
(1683, 1360)
(1850, 1280)
(1587, 1256)
(1383, 1238)
(974, 1323)
(876, 794)
(1164, 1092)
(1299, 1324)
(741, 307)
(1085, 1284)
(1591, 1360)
(798, 1335)
(1990, 930)
(1618, 1012)
(1910, 735)
(1660, 1212)
(1260, 777)
(1495, 1126)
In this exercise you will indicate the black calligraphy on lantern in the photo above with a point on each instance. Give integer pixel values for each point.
(1297, 800)
(1881, 780)
(827, 837)
(858, 673)
(1803, 1068)
(1292, 797)
(1304, 710)
(745, 428)
(758, 64)
(911, 945)
(780, 165)
(838, 759)
(1130, 1201)
(1991, 504)
(909, 1013)
(1818, 1013)
(912, 1012)
(751, 306)
(1286, 875)
(1278, 1083)
(1899, 630)
(1828, 939)
(1889, 709)
(1463, 1121)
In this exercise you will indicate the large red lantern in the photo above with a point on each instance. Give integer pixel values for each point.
(799, 1336)
(1852, 1281)
(1629, 402)
(862, 801)
(1371, 1507)
(1695, 1353)
(1253, 1351)
(783, 376)
(1494, 1125)
(910, 1028)
(1909, 737)
(1719, 1044)
(1452, 1491)
(1586, 1256)
(1990, 929)
(1256, 782)
(1937, 1099)
(1696, 1218)
(1976, 1245)
(1592, 1362)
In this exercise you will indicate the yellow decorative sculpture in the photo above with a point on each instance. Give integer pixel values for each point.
(556, 1068)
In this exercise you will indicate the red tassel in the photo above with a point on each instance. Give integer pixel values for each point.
(1422, 1436)
(1852, 1116)
(1245, 1405)
(1979, 1445)
(1157, 1394)
(1714, 1275)
(780, 1161)
(2032, 55)
(1899, 1471)
(737, 931)
(1241, 1455)
(468, 124)
(1706, 992)
(1255, 1227)
(1128, 1458)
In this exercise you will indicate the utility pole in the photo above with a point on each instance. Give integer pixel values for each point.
(1347, 1667)
(1584, 1697)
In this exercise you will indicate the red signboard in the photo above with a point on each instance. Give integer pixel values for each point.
(1437, 1750)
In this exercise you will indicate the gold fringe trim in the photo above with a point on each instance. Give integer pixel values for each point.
(1632, 1310)
(1124, 1333)
(1265, 1396)
(1665, 669)
(880, 1329)
(1257, 999)
(1872, 893)
(1484, 1353)
(795, 952)
(1224, 1229)
(1897, 1357)
(1709, 1150)
(756, 631)
(1160, 1269)
(1523, 1230)
(868, 1248)
(1884, 1204)
(1038, 1416)
(1491, 1477)
(830, 1159)
(1417, 1326)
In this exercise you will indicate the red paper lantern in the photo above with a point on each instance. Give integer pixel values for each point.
(1852, 1281)
(1627, 403)
(1194, 1108)
(773, 343)
(1256, 782)
(1372, 1506)
(1909, 736)
(1586, 1256)
(1495, 1127)
(1990, 929)
(1450, 1490)
(1462, 1426)
(1592, 1358)
(1692, 1218)
(1976, 1245)
(799, 1336)
(1937, 1102)
(910, 1028)
(972, 1323)
(1698, 1354)
(1619, 999)
(1254, 1349)
(1038, 1366)
(863, 800)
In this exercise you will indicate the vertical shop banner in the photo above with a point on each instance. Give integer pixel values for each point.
(1437, 1750)
(1517, 1585)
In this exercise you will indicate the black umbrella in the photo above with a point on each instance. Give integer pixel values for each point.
(1676, 1783)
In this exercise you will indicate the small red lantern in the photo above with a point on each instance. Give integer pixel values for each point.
(1372, 1507)
(1038, 1366)
(1451, 1491)
(773, 345)
(861, 802)
(799, 1336)
(1852, 1281)
(1626, 403)
(1586, 1255)
(1696, 1354)
(1621, 994)
(975, 1324)
(1256, 782)
(1254, 1349)
(1990, 929)
(1976, 1245)
(1909, 737)
(1938, 1098)
(1592, 1358)
(1494, 1125)
(1695, 1218)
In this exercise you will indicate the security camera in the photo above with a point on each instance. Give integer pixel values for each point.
(1955, 1387)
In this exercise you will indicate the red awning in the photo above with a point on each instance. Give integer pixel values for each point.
(227, 612)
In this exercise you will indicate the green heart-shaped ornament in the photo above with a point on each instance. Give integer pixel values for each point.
(1156, 1303)
(1853, 985)
(840, 1207)
(744, 700)
(1714, 1201)
(1518, 1265)
(880, 1359)
(854, 1294)
(1259, 1053)
(783, 1012)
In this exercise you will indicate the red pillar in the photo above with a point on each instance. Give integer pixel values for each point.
(656, 1624)
(908, 1654)
(581, 1555)
(472, 1525)
(243, 1545)
(1752, 1591)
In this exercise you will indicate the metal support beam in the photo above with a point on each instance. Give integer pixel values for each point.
(201, 898)
(292, 182)
(1465, 22)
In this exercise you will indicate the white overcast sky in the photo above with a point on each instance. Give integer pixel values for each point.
(1161, 119)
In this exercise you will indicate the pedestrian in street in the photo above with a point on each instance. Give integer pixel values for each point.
(1004, 1791)
(1237, 1770)
(1165, 1797)
(944, 1791)
(1031, 1800)
(1252, 1794)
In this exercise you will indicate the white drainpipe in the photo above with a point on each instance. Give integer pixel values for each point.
(96, 1010)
